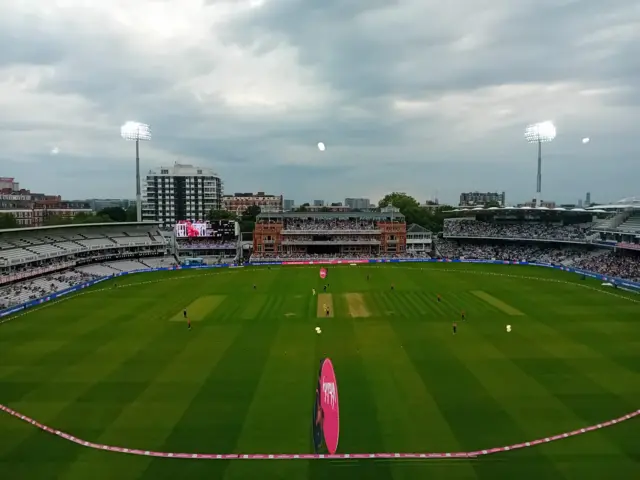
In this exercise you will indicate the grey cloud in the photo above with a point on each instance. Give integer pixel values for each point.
(369, 53)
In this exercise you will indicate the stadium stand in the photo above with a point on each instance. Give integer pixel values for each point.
(326, 236)
(454, 228)
(631, 224)
(39, 261)
(324, 224)
(621, 264)
(613, 264)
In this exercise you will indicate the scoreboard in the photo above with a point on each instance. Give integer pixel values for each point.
(218, 229)
(223, 229)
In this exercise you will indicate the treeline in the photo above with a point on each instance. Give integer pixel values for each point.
(430, 218)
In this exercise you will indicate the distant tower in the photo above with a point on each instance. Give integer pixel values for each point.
(588, 199)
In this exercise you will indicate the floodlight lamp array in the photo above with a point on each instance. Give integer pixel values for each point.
(135, 131)
(540, 132)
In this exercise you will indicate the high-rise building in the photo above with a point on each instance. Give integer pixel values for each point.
(588, 199)
(288, 205)
(358, 203)
(239, 202)
(579, 203)
(318, 203)
(469, 199)
(181, 192)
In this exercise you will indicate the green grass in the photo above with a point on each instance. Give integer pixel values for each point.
(111, 366)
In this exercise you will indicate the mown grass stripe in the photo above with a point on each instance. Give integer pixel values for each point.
(360, 432)
(213, 420)
(433, 360)
(527, 385)
(290, 366)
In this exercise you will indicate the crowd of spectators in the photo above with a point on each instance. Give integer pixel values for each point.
(206, 244)
(256, 257)
(513, 252)
(299, 224)
(334, 239)
(612, 264)
(534, 231)
(18, 293)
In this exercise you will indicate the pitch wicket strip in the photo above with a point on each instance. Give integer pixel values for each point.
(310, 456)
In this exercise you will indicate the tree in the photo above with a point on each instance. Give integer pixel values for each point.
(132, 213)
(116, 214)
(302, 208)
(251, 213)
(220, 215)
(247, 226)
(408, 206)
(432, 219)
(54, 220)
(8, 221)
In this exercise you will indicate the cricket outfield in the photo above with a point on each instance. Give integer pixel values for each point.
(118, 366)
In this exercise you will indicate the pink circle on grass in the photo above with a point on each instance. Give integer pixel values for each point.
(323, 273)
(330, 408)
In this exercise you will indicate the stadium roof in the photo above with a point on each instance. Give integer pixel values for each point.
(527, 209)
(623, 204)
(334, 215)
(77, 225)
(415, 228)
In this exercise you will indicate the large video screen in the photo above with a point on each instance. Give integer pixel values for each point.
(219, 229)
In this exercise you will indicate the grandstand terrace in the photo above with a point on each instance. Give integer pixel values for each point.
(26, 253)
(543, 224)
(329, 235)
(620, 263)
(38, 287)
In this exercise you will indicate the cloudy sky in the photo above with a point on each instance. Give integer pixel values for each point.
(421, 96)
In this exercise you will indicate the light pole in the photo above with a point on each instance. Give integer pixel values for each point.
(543, 132)
(136, 131)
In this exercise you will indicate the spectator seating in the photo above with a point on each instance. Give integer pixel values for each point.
(206, 244)
(632, 224)
(533, 231)
(309, 225)
(32, 245)
(35, 288)
(604, 262)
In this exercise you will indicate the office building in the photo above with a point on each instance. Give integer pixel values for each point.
(357, 203)
(239, 202)
(318, 203)
(181, 192)
(470, 199)
(36, 209)
(588, 199)
(288, 205)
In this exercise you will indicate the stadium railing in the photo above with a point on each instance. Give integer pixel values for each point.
(54, 296)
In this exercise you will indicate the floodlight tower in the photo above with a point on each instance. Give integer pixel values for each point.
(138, 132)
(543, 132)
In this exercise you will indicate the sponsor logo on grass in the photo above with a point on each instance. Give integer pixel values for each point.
(326, 410)
(330, 407)
(323, 273)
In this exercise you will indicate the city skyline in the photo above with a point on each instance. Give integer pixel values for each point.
(250, 88)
